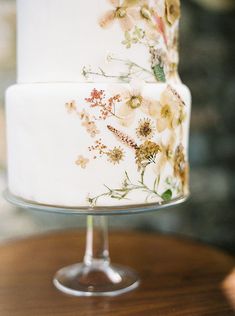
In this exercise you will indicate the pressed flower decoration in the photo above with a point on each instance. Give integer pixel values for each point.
(71, 106)
(123, 11)
(115, 155)
(133, 100)
(151, 24)
(181, 168)
(167, 154)
(145, 129)
(141, 139)
(82, 161)
(172, 10)
(127, 123)
(146, 154)
(169, 111)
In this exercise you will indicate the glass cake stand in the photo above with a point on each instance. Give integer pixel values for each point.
(95, 276)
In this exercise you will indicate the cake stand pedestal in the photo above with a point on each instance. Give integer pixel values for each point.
(95, 276)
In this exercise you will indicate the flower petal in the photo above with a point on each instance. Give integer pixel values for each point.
(155, 109)
(127, 121)
(136, 86)
(115, 3)
(161, 27)
(172, 141)
(146, 105)
(160, 7)
(126, 23)
(125, 110)
(134, 13)
(124, 93)
(175, 121)
(126, 115)
(166, 96)
(114, 89)
(172, 11)
(162, 124)
(107, 19)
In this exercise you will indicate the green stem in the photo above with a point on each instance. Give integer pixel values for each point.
(132, 64)
(116, 193)
(102, 74)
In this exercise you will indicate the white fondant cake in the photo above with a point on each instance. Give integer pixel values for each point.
(121, 138)
(60, 40)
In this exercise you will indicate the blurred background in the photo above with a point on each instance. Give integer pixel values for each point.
(208, 68)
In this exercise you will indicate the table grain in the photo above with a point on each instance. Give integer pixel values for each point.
(178, 277)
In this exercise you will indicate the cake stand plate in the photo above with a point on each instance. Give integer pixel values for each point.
(95, 276)
(88, 210)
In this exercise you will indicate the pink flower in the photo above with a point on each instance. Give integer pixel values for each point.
(124, 12)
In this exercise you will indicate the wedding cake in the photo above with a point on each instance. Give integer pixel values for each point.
(99, 116)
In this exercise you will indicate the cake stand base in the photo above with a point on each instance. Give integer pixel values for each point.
(99, 280)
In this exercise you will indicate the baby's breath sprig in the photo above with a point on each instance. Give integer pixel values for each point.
(132, 70)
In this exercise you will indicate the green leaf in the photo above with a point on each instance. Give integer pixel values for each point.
(167, 195)
(128, 40)
(159, 74)
(156, 183)
(126, 174)
(139, 33)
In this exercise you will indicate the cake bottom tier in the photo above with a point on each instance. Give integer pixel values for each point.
(98, 144)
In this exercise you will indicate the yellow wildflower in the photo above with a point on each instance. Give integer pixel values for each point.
(172, 10)
(82, 161)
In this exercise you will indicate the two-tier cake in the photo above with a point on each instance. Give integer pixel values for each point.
(99, 116)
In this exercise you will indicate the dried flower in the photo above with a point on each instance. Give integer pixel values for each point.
(145, 129)
(107, 106)
(88, 123)
(91, 128)
(84, 115)
(158, 56)
(181, 168)
(98, 147)
(172, 10)
(169, 111)
(133, 99)
(176, 95)
(146, 154)
(109, 57)
(138, 35)
(124, 12)
(82, 161)
(115, 155)
(125, 139)
(166, 155)
(160, 25)
(146, 12)
(71, 106)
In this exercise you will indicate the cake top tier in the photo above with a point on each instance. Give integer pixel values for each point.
(97, 40)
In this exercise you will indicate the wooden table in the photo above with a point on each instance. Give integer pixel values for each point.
(179, 277)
